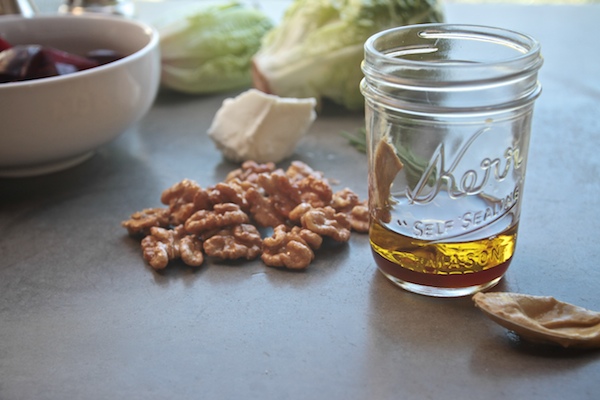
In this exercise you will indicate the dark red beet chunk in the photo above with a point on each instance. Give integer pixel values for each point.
(62, 57)
(25, 62)
(4, 45)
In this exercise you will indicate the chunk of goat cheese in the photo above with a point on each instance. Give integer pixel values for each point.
(261, 127)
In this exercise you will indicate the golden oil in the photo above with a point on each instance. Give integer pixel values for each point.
(442, 264)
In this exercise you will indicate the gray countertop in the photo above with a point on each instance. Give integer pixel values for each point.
(83, 317)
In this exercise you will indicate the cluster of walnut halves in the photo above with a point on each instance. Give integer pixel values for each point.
(221, 221)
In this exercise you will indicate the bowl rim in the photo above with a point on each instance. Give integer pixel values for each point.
(149, 29)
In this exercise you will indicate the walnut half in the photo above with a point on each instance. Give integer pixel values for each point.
(163, 245)
(234, 242)
(140, 222)
(290, 247)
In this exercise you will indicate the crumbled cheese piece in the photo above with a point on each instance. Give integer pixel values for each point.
(261, 127)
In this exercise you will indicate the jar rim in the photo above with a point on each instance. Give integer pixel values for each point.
(527, 47)
(451, 68)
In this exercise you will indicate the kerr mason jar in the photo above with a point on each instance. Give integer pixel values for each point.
(448, 119)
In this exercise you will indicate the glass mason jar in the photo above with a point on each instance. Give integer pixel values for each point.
(448, 119)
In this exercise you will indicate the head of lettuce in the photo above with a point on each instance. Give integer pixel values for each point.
(210, 50)
(317, 48)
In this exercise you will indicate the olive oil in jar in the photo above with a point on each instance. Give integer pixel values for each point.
(452, 265)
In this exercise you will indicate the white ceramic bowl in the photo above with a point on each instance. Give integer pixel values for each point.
(54, 123)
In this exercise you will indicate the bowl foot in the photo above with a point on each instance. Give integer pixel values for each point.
(42, 169)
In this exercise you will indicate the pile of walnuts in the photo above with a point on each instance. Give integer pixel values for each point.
(222, 221)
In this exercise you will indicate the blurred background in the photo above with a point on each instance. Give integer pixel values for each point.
(52, 5)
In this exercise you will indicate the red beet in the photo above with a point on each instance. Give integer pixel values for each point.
(4, 45)
(25, 62)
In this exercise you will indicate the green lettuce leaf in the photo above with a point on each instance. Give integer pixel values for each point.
(211, 50)
(317, 48)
